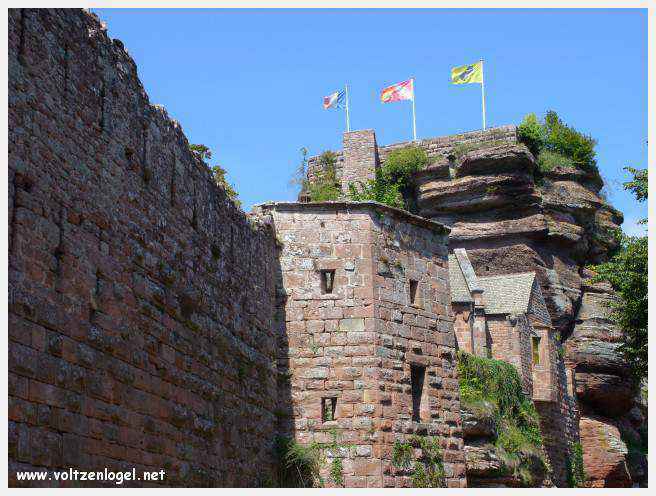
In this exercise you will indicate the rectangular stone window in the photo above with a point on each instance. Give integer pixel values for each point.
(328, 406)
(535, 341)
(417, 375)
(327, 281)
(413, 291)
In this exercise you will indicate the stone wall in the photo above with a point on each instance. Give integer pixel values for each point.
(438, 150)
(331, 340)
(141, 297)
(354, 345)
(415, 328)
(511, 342)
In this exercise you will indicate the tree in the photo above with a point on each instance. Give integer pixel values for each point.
(627, 272)
(201, 151)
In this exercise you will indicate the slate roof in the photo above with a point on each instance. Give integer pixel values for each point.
(502, 294)
(508, 293)
(459, 290)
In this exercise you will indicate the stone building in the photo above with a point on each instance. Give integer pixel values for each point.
(504, 317)
(370, 345)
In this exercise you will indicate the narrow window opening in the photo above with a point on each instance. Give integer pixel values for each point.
(536, 350)
(417, 374)
(413, 291)
(328, 406)
(327, 281)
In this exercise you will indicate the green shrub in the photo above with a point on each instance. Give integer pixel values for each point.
(325, 186)
(531, 133)
(401, 164)
(556, 137)
(378, 190)
(567, 141)
(548, 160)
(487, 384)
(392, 182)
(219, 175)
(337, 471)
(428, 468)
(298, 464)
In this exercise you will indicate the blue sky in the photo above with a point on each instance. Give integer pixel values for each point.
(249, 83)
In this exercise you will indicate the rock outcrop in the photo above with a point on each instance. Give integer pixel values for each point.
(512, 217)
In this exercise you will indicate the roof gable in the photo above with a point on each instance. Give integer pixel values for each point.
(508, 293)
(502, 294)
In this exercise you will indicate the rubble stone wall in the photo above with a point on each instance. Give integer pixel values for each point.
(141, 298)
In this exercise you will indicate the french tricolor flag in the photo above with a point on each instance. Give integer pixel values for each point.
(336, 100)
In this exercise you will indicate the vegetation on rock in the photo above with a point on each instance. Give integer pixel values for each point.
(298, 464)
(325, 186)
(392, 183)
(462, 149)
(427, 470)
(494, 387)
(627, 273)
(553, 143)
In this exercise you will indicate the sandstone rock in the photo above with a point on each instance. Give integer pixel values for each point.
(607, 393)
(604, 453)
(478, 424)
(483, 461)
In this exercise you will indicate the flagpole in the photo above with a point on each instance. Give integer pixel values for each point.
(348, 123)
(483, 92)
(414, 119)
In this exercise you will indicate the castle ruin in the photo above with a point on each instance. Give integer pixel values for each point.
(153, 324)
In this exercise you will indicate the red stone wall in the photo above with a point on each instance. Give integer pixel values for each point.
(141, 298)
(462, 326)
(511, 343)
(357, 343)
(419, 333)
(331, 338)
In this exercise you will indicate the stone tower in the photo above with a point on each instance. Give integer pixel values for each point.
(371, 348)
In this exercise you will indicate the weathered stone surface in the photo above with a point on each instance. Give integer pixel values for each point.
(606, 393)
(355, 346)
(141, 297)
(604, 453)
(511, 220)
(483, 461)
(477, 424)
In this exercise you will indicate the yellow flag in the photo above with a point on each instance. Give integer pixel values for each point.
(471, 73)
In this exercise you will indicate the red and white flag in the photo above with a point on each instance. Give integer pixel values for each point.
(404, 90)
